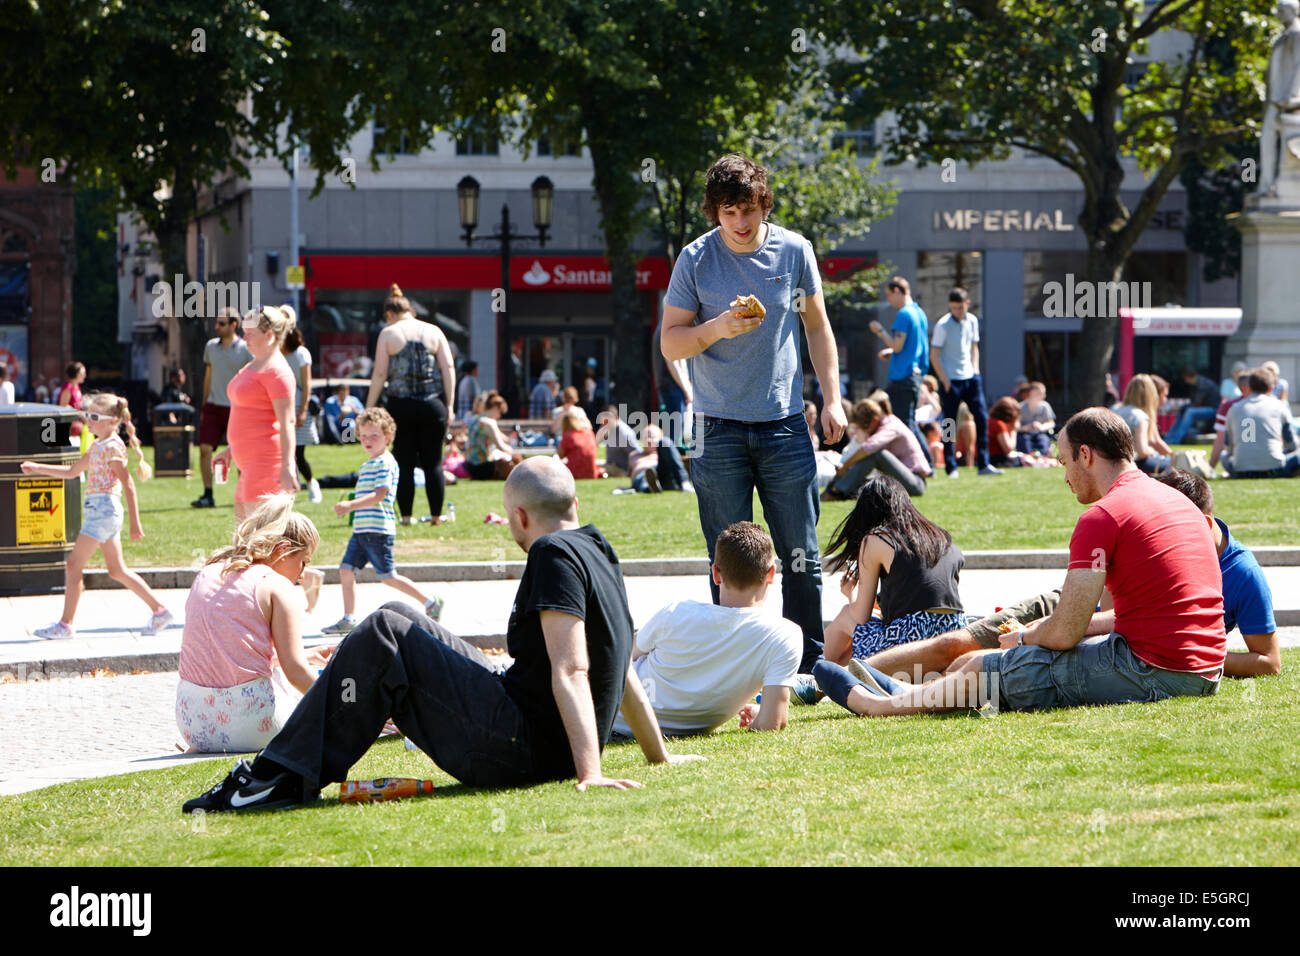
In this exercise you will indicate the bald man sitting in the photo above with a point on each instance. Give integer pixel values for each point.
(547, 717)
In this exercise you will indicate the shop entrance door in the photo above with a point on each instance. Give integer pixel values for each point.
(570, 354)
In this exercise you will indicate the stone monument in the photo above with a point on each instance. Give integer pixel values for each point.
(1270, 222)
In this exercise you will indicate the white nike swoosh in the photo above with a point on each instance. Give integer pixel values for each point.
(237, 801)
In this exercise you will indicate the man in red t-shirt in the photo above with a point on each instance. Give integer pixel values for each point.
(1221, 417)
(1160, 636)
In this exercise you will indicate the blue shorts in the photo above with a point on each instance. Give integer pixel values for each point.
(102, 517)
(372, 547)
(873, 637)
(1100, 670)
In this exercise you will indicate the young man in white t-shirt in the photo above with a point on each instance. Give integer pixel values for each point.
(701, 664)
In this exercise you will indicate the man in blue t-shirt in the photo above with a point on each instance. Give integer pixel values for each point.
(747, 375)
(1247, 599)
(907, 346)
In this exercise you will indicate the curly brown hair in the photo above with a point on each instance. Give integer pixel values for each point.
(735, 180)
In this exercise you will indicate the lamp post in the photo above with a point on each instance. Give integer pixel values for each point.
(467, 194)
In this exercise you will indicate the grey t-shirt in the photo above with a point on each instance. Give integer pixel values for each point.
(225, 362)
(1044, 413)
(1256, 427)
(1133, 417)
(620, 441)
(758, 376)
(952, 341)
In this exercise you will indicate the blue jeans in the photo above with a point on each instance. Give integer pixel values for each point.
(903, 395)
(673, 399)
(1100, 670)
(1289, 468)
(1027, 442)
(887, 463)
(971, 391)
(731, 460)
(1193, 419)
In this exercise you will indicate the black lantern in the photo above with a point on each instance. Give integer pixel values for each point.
(543, 201)
(467, 197)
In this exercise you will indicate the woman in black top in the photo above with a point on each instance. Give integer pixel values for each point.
(886, 543)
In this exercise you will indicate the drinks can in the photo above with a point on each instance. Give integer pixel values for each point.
(219, 472)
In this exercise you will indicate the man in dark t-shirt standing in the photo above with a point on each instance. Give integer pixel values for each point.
(546, 718)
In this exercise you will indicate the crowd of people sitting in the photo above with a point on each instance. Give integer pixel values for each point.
(1154, 584)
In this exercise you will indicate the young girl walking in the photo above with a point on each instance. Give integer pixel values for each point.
(107, 481)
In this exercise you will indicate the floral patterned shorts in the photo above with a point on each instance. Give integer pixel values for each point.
(239, 719)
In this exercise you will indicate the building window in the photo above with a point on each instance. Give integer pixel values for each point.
(937, 273)
(471, 141)
(393, 142)
(860, 141)
(558, 146)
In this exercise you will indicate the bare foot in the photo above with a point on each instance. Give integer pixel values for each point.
(312, 578)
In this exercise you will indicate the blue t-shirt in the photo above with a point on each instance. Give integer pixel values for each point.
(914, 357)
(758, 376)
(1247, 600)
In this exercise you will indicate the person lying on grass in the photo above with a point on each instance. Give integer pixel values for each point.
(1142, 541)
(701, 664)
(1247, 604)
(546, 718)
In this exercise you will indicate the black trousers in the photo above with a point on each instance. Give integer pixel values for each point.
(441, 691)
(421, 430)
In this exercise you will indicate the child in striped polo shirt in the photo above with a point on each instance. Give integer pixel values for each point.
(374, 525)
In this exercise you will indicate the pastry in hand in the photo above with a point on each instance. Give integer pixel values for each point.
(748, 307)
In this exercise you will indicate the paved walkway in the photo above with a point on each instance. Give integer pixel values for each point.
(78, 728)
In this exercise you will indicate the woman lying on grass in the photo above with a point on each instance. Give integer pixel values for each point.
(886, 543)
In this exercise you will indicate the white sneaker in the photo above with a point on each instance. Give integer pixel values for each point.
(157, 622)
(58, 631)
(313, 491)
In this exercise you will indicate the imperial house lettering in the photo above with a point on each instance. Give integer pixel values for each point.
(1000, 220)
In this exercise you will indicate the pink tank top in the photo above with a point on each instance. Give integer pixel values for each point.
(227, 639)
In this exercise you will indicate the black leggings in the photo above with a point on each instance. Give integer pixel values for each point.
(421, 430)
(300, 456)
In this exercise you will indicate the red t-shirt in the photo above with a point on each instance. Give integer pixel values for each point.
(1221, 415)
(1161, 570)
(578, 449)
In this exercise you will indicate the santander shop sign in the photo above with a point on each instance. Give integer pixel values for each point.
(580, 274)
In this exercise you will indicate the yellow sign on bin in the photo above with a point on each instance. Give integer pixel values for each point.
(39, 511)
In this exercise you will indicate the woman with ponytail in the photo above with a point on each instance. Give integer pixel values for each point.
(413, 367)
(108, 481)
(261, 428)
(242, 665)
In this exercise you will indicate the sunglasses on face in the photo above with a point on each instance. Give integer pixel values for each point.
(97, 417)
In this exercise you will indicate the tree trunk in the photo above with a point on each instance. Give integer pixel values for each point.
(1091, 362)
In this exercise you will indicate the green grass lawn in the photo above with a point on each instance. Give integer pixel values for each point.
(1194, 782)
(1025, 508)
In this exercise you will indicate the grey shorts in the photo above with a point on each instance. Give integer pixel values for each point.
(102, 517)
(985, 630)
(1101, 670)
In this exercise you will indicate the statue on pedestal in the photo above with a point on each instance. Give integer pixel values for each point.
(1280, 142)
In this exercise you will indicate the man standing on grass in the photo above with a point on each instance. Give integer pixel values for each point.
(223, 356)
(1142, 541)
(546, 718)
(747, 376)
(956, 344)
(908, 350)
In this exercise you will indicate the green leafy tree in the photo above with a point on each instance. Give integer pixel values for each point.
(157, 102)
(970, 79)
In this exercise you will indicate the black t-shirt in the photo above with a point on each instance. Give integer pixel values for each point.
(577, 572)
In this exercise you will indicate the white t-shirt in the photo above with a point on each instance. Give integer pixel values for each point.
(6, 393)
(703, 662)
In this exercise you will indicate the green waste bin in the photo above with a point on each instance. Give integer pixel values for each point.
(40, 517)
(172, 437)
